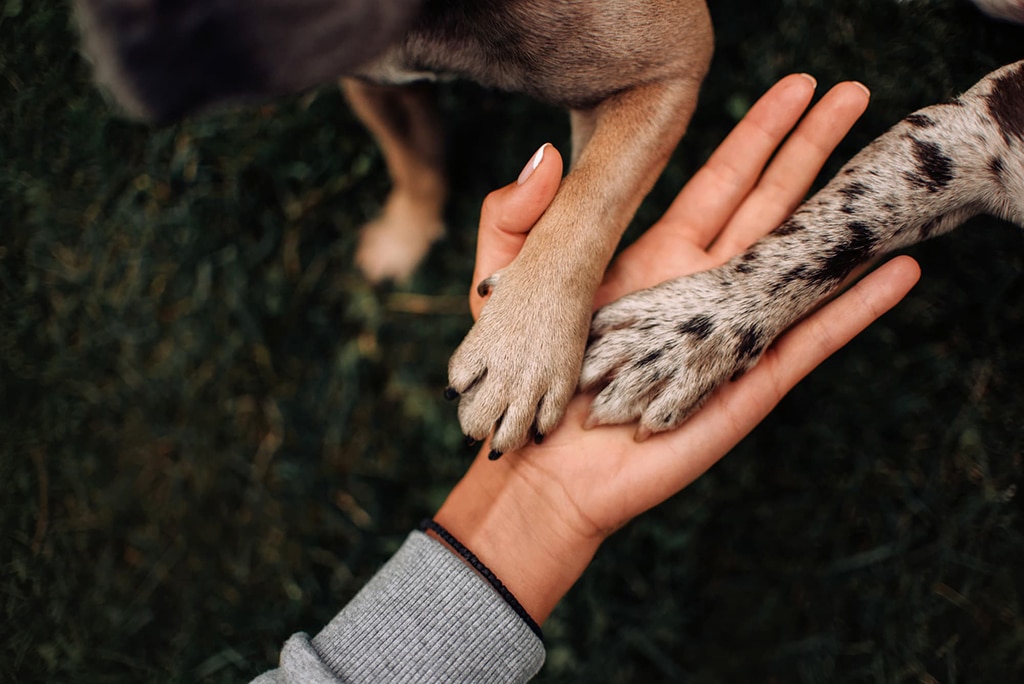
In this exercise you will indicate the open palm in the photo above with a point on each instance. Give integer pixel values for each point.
(591, 482)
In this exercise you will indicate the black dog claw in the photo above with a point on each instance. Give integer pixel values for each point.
(494, 455)
(450, 394)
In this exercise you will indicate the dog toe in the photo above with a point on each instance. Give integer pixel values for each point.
(479, 412)
(514, 428)
(674, 405)
(552, 406)
(617, 403)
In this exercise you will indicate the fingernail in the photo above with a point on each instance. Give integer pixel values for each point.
(450, 394)
(814, 81)
(494, 455)
(862, 87)
(532, 165)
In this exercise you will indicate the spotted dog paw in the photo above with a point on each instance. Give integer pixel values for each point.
(658, 354)
(517, 368)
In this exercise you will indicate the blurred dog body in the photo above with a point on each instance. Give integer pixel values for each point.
(629, 72)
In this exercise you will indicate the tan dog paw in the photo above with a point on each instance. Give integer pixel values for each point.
(518, 367)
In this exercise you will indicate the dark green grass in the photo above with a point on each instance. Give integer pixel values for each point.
(212, 431)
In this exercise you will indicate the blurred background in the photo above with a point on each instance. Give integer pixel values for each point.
(213, 430)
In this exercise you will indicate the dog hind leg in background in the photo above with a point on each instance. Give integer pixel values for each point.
(629, 71)
(659, 353)
(404, 121)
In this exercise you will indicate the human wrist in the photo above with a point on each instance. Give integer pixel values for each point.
(522, 529)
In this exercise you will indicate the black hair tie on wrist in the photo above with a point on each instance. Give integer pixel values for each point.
(484, 571)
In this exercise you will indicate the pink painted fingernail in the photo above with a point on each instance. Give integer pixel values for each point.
(532, 165)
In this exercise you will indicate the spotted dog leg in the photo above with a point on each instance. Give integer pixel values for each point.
(658, 354)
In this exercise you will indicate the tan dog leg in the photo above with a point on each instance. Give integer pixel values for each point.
(518, 367)
(405, 123)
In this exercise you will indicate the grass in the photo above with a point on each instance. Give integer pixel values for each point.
(213, 431)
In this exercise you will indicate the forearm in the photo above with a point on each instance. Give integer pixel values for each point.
(511, 517)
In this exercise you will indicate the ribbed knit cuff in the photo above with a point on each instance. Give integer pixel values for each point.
(426, 616)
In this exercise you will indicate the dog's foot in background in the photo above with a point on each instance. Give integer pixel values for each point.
(392, 245)
(657, 355)
(518, 367)
(1010, 10)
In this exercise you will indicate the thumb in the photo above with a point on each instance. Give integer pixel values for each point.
(510, 212)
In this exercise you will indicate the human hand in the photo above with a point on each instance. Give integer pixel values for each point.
(537, 516)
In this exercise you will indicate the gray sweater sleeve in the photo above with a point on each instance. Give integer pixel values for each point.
(424, 617)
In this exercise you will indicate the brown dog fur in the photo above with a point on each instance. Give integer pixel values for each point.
(628, 71)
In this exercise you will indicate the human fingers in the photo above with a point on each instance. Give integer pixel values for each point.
(708, 200)
(788, 178)
(509, 213)
(674, 246)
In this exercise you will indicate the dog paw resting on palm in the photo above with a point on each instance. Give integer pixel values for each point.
(627, 71)
(658, 354)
